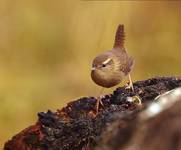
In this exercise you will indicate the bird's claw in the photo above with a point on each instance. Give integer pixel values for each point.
(99, 102)
(129, 86)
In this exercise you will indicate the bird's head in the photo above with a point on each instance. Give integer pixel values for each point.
(102, 64)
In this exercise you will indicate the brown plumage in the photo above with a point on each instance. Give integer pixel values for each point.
(112, 66)
(120, 37)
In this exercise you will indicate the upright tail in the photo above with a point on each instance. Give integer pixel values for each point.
(119, 37)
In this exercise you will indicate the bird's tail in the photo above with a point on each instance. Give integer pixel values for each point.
(119, 37)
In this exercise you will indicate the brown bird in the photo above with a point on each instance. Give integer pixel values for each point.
(112, 66)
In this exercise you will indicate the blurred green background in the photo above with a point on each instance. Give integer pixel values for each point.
(46, 49)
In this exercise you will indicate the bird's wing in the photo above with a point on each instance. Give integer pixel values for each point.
(129, 64)
(126, 64)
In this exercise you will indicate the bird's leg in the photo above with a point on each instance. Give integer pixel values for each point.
(99, 101)
(130, 85)
(134, 99)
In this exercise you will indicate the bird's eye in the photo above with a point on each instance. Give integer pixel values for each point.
(103, 65)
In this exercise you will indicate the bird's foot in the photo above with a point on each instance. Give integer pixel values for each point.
(98, 103)
(101, 97)
(129, 86)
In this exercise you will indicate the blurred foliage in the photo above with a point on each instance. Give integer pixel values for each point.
(46, 49)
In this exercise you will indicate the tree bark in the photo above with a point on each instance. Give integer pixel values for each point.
(116, 126)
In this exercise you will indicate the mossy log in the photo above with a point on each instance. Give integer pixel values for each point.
(116, 126)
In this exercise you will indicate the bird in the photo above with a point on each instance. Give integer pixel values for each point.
(112, 66)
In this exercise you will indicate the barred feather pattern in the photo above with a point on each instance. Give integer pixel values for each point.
(120, 37)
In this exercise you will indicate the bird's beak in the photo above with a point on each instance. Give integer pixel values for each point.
(93, 68)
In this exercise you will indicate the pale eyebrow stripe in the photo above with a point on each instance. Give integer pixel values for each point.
(107, 60)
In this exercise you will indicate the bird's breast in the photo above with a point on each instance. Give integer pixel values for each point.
(108, 79)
